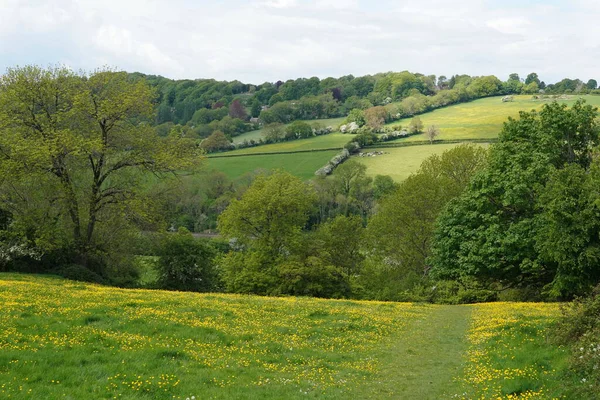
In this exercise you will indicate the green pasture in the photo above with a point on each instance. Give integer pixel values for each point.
(256, 135)
(302, 165)
(400, 162)
(332, 140)
(64, 339)
(481, 118)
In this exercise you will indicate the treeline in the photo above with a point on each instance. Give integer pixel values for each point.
(203, 106)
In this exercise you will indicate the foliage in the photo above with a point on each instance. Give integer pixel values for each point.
(399, 234)
(432, 132)
(186, 263)
(75, 153)
(298, 130)
(415, 126)
(492, 231)
(217, 141)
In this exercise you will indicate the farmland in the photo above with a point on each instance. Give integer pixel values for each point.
(66, 339)
(257, 135)
(303, 165)
(481, 118)
(400, 162)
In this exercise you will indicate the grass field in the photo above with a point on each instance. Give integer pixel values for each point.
(63, 339)
(302, 165)
(256, 135)
(400, 162)
(481, 118)
(333, 140)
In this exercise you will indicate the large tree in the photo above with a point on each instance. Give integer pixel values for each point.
(74, 143)
(492, 231)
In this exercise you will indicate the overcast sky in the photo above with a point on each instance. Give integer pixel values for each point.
(267, 40)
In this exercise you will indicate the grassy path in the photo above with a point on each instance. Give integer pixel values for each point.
(423, 363)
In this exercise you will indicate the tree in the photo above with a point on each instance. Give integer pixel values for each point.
(402, 228)
(265, 225)
(217, 141)
(298, 129)
(81, 139)
(255, 108)
(375, 117)
(186, 263)
(341, 240)
(270, 213)
(489, 233)
(592, 84)
(274, 132)
(415, 125)
(237, 110)
(432, 132)
(532, 78)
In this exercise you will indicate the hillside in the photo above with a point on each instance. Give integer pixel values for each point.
(62, 338)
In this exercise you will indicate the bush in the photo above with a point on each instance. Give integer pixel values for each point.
(579, 330)
(186, 263)
(312, 278)
(78, 272)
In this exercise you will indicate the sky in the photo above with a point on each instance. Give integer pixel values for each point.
(268, 40)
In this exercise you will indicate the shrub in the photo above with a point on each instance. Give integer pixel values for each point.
(78, 272)
(186, 263)
(312, 278)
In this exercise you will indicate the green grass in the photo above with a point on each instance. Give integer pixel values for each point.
(64, 339)
(481, 118)
(302, 165)
(333, 140)
(256, 135)
(400, 162)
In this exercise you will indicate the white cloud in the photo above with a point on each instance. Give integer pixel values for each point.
(280, 39)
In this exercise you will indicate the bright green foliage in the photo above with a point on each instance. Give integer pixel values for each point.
(312, 278)
(186, 263)
(490, 231)
(401, 230)
(341, 240)
(298, 130)
(568, 237)
(265, 225)
(69, 145)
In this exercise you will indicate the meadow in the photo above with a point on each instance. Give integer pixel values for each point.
(258, 134)
(482, 118)
(65, 339)
(400, 162)
(302, 165)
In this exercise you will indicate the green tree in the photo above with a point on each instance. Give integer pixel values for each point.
(298, 129)
(81, 139)
(217, 141)
(403, 226)
(592, 84)
(415, 125)
(273, 132)
(265, 224)
(489, 233)
(341, 242)
(186, 263)
(532, 78)
(255, 108)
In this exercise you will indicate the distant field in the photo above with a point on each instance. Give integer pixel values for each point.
(302, 165)
(333, 140)
(400, 162)
(256, 135)
(480, 118)
(63, 339)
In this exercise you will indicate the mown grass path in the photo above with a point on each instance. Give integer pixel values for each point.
(425, 360)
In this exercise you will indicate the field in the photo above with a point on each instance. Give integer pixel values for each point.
(333, 140)
(302, 165)
(63, 339)
(256, 135)
(400, 162)
(481, 118)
